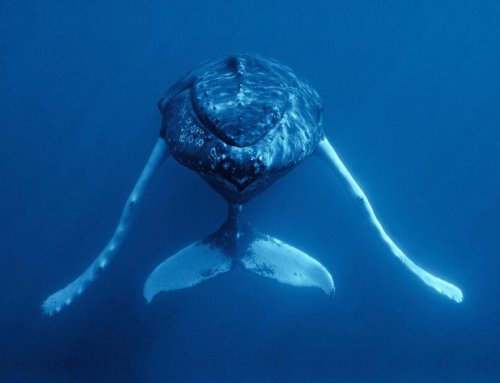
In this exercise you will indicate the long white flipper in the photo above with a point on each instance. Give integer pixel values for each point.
(328, 153)
(65, 296)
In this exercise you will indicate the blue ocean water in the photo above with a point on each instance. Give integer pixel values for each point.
(411, 93)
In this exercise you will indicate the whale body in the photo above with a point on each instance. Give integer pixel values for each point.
(240, 122)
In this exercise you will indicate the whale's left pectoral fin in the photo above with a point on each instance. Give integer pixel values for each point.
(271, 258)
(187, 268)
(57, 301)
(330, 156)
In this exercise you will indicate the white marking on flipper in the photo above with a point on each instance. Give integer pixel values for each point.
(65, 296)
(328, 153)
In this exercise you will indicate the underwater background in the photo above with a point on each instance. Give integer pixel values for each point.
(412, 104)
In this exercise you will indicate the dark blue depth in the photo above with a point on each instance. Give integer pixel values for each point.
(411, 93)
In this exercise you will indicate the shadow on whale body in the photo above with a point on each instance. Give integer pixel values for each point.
(240, 122)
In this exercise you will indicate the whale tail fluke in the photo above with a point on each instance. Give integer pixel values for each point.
(192, 265)
(230, 247)
(272, 258)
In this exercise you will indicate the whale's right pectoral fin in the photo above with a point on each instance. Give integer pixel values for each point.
(57, 301)
(271, 258)
(192, 265)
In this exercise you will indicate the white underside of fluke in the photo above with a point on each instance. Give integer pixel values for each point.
(265, 256)
(187, 268)
(274, 259)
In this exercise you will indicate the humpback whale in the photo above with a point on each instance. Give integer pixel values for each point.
(241, 122)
